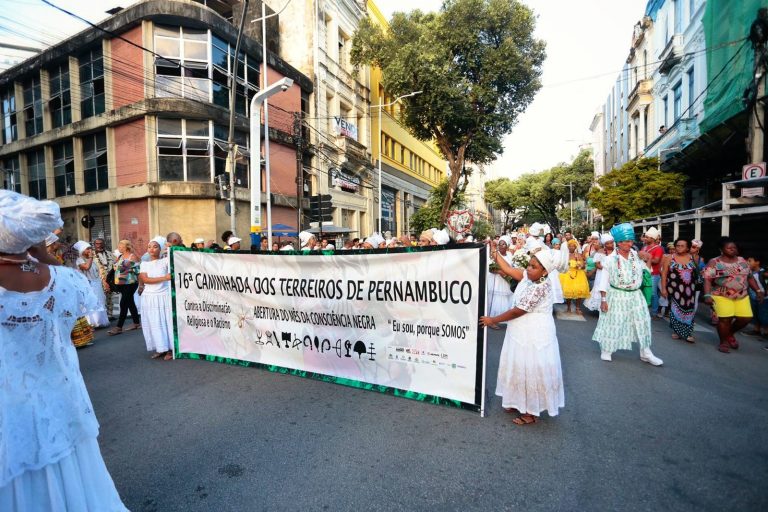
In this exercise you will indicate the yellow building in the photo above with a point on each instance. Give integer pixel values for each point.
(410, 167)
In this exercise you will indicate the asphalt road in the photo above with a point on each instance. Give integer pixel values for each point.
(197, 436)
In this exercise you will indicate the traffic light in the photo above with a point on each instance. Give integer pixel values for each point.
(222, 185)
(320, 208)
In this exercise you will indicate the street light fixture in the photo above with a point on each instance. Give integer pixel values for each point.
(570, 186)
(281, 85)
(381, 106)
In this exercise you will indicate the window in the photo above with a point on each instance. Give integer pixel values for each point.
(95, 162)
(342, 55)
(183, 68)
(678, 5)
(33, 107)
(691, 88)
(677, 106)
(8, 112)
(36, 173)
(12, 174)
(222, 55)
(220, 148)
(666, 111)
(91, 83)
(184, 150)
(60, 103)
(64, 169)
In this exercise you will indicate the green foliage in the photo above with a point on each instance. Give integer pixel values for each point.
(477, 65)
(482, 229)
(638, 189)
(428, 216)
(540, 195)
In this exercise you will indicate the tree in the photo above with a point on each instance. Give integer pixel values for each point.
(477, 66)
(637, 190)
(539, 195)
(428, 216)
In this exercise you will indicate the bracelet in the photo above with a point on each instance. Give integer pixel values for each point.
(707, 295)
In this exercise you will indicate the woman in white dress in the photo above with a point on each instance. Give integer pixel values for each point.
(85, 263)
(49, 453)
(530, 378)
(156, 314)
(499, 292)
(593, 302)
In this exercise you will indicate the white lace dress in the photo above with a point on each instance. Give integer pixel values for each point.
(499, 292)
(49, 457)
(156, 313)
(97, 317)
(530, 376)
(595, 298)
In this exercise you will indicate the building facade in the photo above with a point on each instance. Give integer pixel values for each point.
(316, 37)
(640, 100)
(410, 168)
(128, 131)
(679, 79)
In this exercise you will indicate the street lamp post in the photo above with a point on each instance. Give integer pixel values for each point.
(281, 85)
(381, 106)
(570, 186)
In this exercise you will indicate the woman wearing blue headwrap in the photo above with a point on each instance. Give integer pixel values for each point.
(624, 317)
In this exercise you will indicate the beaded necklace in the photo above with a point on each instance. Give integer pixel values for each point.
(632, 269)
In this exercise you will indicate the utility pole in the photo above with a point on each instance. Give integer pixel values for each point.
(299, 167)
(757, 116)
(231, 149)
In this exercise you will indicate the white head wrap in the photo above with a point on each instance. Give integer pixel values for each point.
(653, 233)
(441, 237)
(533, 244)
(233, 240)
(506, 239)
(549, 259)
(197, 241)
(288, 247)
(304, 238)
(80, 246)
(25, 221)
(161, 241)
(51, 239)
(374, 240)
(605, 238)
(595, 234)
(536, 229)
(513, 234)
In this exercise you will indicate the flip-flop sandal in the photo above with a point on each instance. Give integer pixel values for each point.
(132, 327)
(525, 419)
(733, 343)
(168, 356)
(675, 337)
(157, 355)
(690, 339)
(724, 348)
(114, 332)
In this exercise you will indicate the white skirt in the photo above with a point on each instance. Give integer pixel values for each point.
(157, 321)
(530, 377)
(98, 317)
(557, 288)
(80, 481)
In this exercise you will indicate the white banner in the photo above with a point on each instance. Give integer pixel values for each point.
(406, 322)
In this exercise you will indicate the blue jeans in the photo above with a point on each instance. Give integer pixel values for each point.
(655, 296)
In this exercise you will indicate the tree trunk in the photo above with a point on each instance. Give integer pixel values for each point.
(455, 165)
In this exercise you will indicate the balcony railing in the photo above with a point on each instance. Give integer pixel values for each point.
(672, 54)
(678, 136)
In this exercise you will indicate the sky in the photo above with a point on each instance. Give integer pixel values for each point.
(587, 44)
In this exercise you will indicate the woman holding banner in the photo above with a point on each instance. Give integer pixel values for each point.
(157, 315)
(530, 378)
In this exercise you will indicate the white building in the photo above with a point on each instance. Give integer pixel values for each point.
(679, 76)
